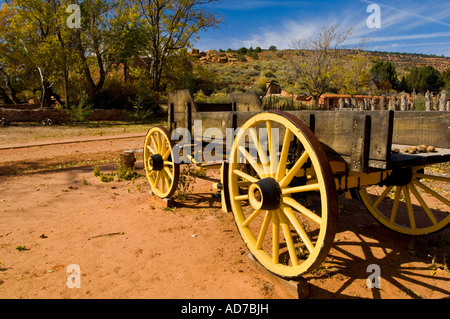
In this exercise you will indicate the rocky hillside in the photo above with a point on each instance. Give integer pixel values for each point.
(403, 61)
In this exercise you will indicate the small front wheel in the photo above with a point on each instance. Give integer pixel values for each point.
(161, 170)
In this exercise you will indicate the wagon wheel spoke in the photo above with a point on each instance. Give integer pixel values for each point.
(434, 177)
(429, 213)
(298, 227)
(154, 143)
(432, 192)
(412, 220)
(398, 192)
(245, 176)
(285, 225)
(261, 153)
(275, 238)
(276, 210)
(263, 232)
(272, 143)
(252, 161)
(281, 171)
(166, 156)
(294, 170)
(408, 211)
(151, 149)
(255, 214)
(302, 209)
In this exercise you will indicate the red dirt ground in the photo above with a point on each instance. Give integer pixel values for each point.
(128, 247)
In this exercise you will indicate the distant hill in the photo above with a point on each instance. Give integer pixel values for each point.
(236, 71)
(403, 61)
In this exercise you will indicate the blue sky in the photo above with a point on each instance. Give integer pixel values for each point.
(410, 26)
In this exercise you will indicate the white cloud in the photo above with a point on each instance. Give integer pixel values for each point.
(280, 36)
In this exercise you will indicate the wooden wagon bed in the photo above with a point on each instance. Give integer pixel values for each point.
(363, 139)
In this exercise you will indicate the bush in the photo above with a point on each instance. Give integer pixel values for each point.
(425, 78)
(219, 98)
(275, 102)
(81, 111)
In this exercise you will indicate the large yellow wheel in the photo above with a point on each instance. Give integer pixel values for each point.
(406, 204)
(282, 193)
(161, 170)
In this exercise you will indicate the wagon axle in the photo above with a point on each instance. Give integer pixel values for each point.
(398, 177)
(156, 162)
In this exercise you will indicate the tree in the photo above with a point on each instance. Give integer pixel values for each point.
(39, 34)
(355, 76)
(92, 40)
(425, 78)
(171, 25)
(9, 58)
(125, 36)
(446, 78)
(317, 65)
(384, 75)
(33, 29)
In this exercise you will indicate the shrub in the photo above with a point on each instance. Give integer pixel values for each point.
(81, 111)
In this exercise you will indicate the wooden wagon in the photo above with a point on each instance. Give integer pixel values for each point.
(281, 171)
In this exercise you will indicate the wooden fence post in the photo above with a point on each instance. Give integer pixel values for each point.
(427, 101)
(443, 101)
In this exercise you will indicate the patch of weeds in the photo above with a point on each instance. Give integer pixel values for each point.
(106, 178)
(187, 179)
(96, 171)
(126, 174)
(22, 248)
(121, 174)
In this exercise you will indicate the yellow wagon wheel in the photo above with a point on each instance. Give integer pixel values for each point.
(408, 204)
(286, 211)
(161, 170)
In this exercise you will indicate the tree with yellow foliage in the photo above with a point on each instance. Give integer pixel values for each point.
(171, 25)
(317, 65)
(354, 70)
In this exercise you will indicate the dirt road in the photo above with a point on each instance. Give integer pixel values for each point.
(126, 246)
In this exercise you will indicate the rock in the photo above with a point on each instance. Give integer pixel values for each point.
(223, 60)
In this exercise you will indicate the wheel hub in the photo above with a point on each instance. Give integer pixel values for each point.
(156, 162)
(265, 194)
